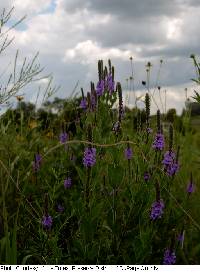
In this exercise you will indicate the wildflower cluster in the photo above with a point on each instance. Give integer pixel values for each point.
(128, 153)
(89, 159)
(63, 137)
(170, 165)
(110, 83)
(83, 104)
(157, 206)
(106, 79)
(86, 195)
(100, 88)
(169, 257)
(157, 209)
(67, 183)
(47, 221)
(159, 143)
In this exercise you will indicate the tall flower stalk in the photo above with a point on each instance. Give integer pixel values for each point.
(37, 163)
(93, 101)
(83, 103)
(147, 109)
(101, 83)
(157, 206)
(63, 137)
(47, 220)
(170, 161)
(128, 153)
(169, 254)
(158, 143)
(89, 160)
(190, 186)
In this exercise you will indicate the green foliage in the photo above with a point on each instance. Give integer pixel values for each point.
(106, 211)
(171, 115)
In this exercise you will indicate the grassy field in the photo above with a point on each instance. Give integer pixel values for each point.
(91, 185)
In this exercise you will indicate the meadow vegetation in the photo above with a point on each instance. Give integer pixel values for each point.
(88, 181)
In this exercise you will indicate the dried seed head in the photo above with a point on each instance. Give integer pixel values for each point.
(143, 82)
(149, 64)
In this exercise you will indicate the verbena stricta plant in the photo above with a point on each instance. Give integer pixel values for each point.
(114, 196)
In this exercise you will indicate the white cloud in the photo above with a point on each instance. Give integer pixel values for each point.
(73, 35)
(89, 52)
(31, 5)
(174, 29)
(23, 7)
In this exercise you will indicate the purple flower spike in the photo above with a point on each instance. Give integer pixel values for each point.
(83, 104)
(146, 176)
(171, 167)
(93, 102)
(89, 157)
(100, 88)
(169, 257)
(159, 143)
(37, 162)
(181, 237)
(63, 137)
(169, 157)
(67, 183)
(110, 83)
(38, 158)
(149, 130)
(190, 187)
(128, 153)
(60, 208)
(47, 221)
(157, 210)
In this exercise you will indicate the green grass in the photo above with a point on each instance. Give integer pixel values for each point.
(106, 217)
(116, 229)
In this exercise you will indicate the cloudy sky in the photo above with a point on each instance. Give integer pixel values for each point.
(71, 35)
